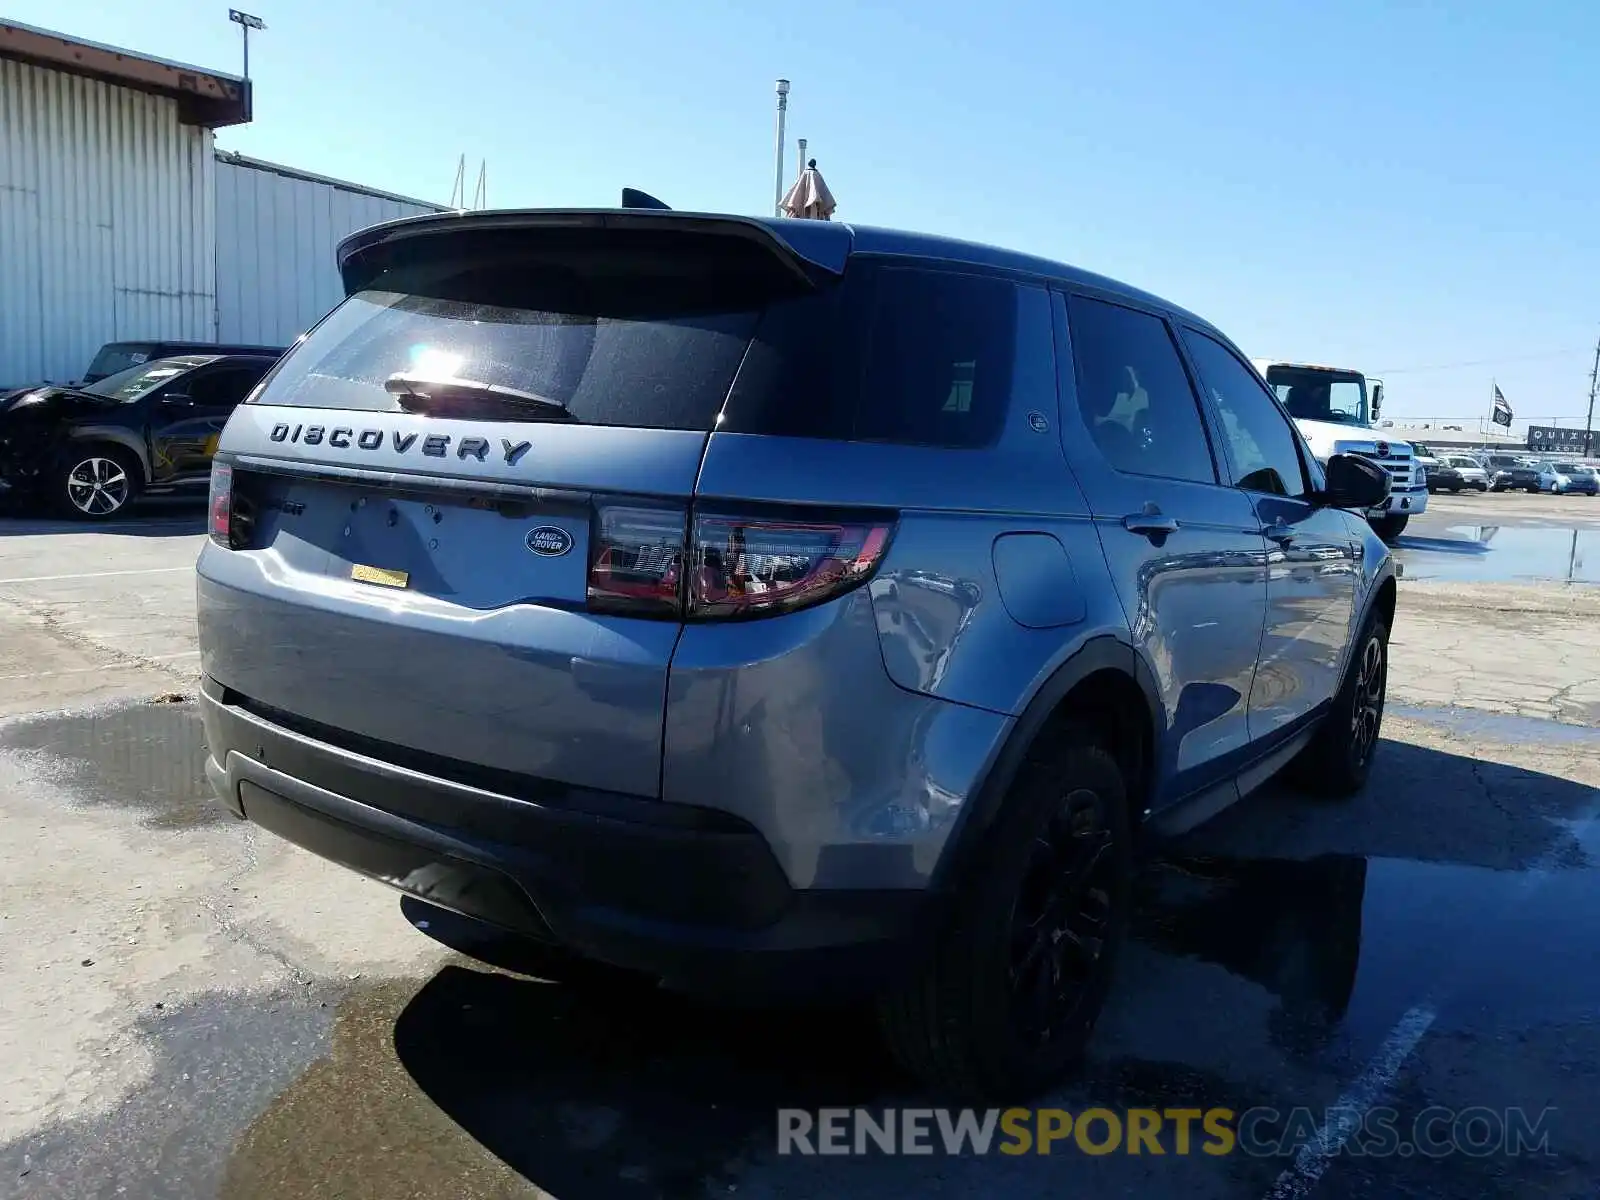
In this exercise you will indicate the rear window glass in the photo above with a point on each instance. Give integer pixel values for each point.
(640, 330)
(116, 357)
(670, 373)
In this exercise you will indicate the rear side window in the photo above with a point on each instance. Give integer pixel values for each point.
(938, 361)
(1134, 394)
(912, 356)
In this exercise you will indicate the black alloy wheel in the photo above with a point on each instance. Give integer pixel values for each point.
(1366, 714)
(1061, 917)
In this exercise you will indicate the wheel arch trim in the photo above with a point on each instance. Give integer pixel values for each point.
(113, 435)
(1105, 652)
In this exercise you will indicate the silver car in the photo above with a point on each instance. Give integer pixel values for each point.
(779, 609)
(1458, 472)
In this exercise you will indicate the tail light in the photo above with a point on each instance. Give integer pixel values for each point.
(636, 561)
(660, 562)
(757, 567)
(221, 504)
(232, 519)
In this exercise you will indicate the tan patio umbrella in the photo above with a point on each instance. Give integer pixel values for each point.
(809, 199)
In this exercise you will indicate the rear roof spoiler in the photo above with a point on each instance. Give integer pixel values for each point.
(813, 250)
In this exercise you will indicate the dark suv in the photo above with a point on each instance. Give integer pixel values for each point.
(779, 608)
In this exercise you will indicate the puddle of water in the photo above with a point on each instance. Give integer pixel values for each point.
(148, 757)
(1503, 554)
(1346, 944)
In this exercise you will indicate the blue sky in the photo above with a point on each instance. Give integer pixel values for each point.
(1390, 186)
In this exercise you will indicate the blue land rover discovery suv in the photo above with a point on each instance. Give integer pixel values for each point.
(778, 608)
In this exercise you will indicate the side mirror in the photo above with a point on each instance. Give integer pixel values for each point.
(1354, 482)
(1377, 398)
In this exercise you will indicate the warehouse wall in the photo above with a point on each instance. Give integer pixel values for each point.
(277, 230)
(107, 223)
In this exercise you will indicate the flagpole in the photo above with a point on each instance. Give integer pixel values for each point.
(1588, 420)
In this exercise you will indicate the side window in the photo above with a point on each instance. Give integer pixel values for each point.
(1134, 393)
(914, 356)
(938, 365)
(1265, 451)
(224, 388)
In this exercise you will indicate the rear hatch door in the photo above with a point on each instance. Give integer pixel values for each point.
(431, 484)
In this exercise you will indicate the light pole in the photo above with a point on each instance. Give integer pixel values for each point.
(246, 23)
(777, 164)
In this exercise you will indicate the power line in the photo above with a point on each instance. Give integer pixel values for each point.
(1483, 362)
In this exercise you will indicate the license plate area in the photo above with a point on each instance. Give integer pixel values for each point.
(481, 552)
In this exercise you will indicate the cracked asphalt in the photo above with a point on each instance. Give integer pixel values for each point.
(193, 1009)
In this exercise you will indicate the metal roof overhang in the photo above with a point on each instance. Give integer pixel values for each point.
(209, 98)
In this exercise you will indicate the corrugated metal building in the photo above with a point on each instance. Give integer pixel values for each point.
(119, 219)
(277, 229)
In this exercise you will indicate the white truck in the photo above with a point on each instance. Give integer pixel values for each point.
(1335, 408)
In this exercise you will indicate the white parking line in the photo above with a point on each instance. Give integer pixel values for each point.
(1317, 1155)
(95, 575)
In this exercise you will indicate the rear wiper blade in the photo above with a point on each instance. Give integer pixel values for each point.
(416, 392)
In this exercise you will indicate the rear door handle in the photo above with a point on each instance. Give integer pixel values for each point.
(1279, 532)
(1151, 524)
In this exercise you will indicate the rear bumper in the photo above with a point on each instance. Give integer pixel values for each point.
(691, 897)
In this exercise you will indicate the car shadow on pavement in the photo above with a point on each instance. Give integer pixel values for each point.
(590, 1091)
(610, 1088)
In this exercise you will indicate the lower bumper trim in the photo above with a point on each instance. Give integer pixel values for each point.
(547, 878)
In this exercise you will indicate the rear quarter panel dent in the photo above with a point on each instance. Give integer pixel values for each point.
(791, 723)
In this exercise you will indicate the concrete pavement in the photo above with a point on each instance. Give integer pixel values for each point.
(192, 1008)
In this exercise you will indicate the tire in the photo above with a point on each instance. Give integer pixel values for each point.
(1389, 528)
(1339, 758)
(95, 482)
(1048, 896)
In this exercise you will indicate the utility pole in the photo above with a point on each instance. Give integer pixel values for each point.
(777, 154)
(1588, 421)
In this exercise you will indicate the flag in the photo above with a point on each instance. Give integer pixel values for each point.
(1502, 410)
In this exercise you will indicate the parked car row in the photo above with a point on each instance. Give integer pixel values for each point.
(1508, 473)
